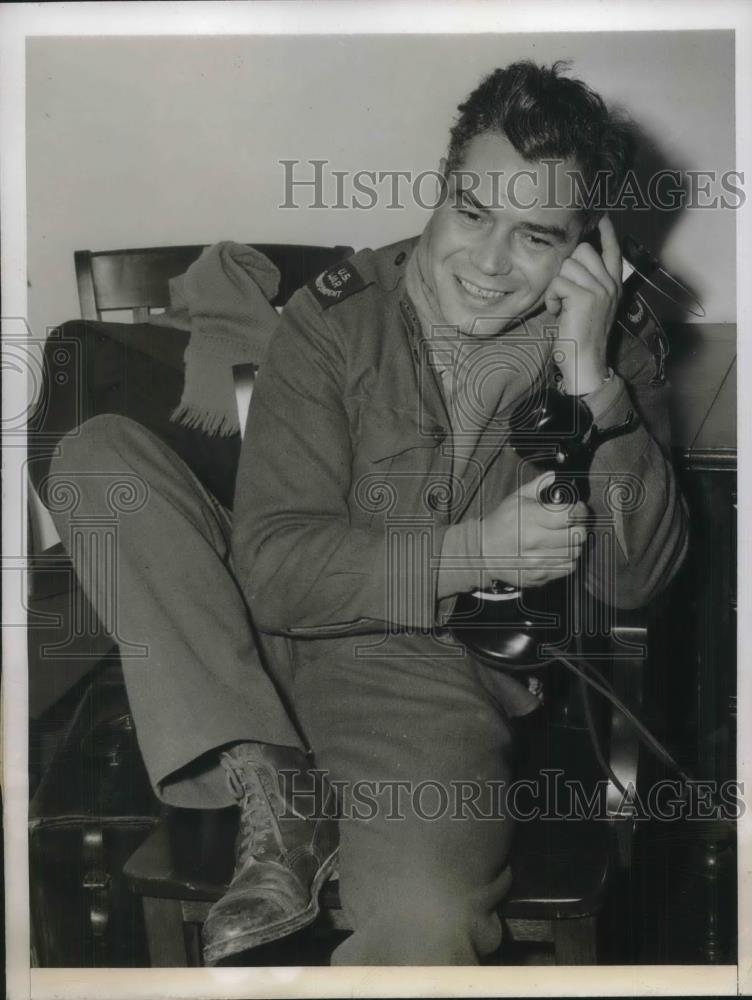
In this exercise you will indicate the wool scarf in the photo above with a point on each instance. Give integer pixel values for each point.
(223, 302)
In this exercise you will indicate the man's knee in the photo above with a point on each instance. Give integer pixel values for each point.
(101, 462)
(98, 444)
(105, 446)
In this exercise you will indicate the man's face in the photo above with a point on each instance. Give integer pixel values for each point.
(491, 257)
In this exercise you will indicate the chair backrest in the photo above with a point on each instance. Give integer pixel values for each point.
(138, 279)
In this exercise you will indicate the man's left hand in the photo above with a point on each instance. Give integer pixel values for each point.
(585, 296)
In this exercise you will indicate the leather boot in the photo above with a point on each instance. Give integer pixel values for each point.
(286, 849)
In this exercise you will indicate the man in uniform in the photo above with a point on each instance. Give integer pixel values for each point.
(376, 483)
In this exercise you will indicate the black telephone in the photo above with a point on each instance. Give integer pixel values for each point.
(513, 629)
(506, 627)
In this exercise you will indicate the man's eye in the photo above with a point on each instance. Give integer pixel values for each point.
(536, 241)
(469, 214)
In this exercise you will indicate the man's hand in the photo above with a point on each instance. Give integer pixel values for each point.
(585, 296)
(523, 534)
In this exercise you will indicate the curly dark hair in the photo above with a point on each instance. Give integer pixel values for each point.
(546, 115)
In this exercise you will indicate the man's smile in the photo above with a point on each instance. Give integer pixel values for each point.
(477, 292)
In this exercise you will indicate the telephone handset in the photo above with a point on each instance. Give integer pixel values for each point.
(511, 628)
(639, 266)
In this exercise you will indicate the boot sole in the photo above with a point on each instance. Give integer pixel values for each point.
(282, 928)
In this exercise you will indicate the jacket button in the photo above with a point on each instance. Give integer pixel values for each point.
(399, 259)
(439, 434)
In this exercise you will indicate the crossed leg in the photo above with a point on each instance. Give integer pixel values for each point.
(202, 683)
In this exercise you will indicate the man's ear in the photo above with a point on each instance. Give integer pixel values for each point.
(443, 166)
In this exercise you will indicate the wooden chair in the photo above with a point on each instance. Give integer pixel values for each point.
(138, 280)
(562, 867)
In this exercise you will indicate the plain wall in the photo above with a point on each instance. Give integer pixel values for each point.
(165, 140)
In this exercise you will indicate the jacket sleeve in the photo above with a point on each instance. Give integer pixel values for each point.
(304, 567)
(640, 520)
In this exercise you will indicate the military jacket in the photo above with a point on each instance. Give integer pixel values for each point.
(346, 484)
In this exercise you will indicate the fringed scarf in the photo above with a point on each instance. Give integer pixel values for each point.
(222, 300)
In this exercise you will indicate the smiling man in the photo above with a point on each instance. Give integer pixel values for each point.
(377, 484)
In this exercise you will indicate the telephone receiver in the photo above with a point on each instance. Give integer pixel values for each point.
(521, 629)
(639, 266)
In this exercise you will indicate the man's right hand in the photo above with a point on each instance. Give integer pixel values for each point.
(528, 543)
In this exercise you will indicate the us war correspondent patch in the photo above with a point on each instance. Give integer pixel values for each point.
(336, 284)
(652, 336)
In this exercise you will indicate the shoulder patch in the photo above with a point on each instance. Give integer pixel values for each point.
(636, 315)
(641, 322)
(337, 284)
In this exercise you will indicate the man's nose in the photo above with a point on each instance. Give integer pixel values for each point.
(491, 256)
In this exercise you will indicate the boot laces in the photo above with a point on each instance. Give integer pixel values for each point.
(259, 801)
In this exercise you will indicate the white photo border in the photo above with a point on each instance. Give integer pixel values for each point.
(19, 21)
